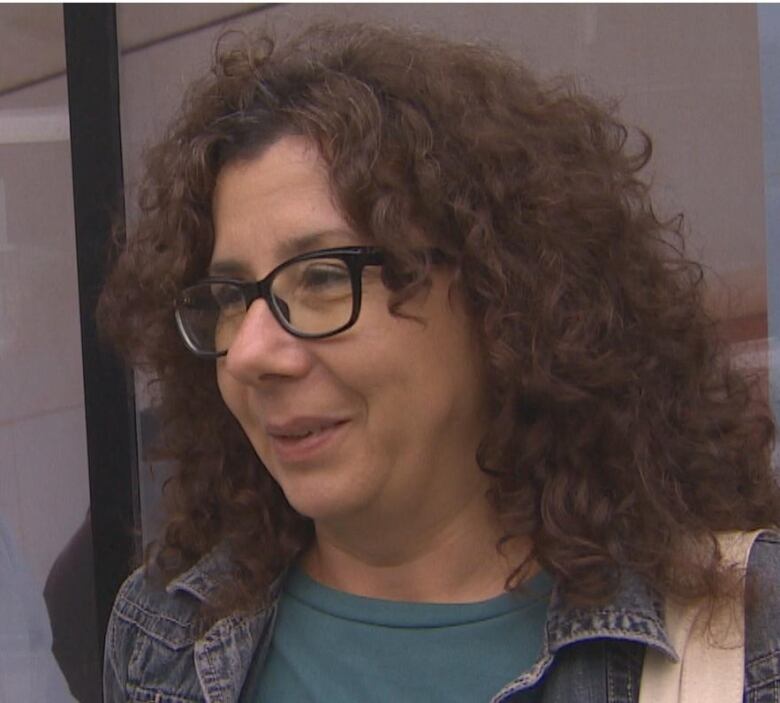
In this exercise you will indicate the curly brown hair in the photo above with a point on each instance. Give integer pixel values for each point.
(620, 429)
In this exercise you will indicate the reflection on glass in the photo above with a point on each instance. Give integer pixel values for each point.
(28, 670)
(48, 638)
(769, 43)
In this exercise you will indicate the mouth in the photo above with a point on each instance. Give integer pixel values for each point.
(300, 428)
(305, 438)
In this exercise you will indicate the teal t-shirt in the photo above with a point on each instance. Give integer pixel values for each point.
(334, 646)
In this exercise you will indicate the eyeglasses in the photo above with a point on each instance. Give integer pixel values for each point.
(312, 296)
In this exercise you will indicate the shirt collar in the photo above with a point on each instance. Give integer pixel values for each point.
(635, 613)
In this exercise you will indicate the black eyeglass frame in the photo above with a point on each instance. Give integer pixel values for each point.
(355, 258)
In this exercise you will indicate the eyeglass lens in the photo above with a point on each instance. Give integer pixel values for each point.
(313, 296)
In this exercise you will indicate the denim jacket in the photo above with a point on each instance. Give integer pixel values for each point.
(589, 655)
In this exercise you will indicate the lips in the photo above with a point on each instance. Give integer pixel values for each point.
(304, 438)
(301, 427)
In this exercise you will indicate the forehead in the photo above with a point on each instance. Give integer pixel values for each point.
(274, 205)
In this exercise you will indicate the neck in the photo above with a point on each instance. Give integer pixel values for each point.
(450, 558)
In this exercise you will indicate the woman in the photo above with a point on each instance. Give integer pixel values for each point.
(448, 415)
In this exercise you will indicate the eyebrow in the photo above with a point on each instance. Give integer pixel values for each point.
(287, 249)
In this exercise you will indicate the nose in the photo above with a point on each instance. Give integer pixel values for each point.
(262, 349)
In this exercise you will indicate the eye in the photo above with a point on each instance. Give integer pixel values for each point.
(324, 276)
(227, 297)
(313, 282)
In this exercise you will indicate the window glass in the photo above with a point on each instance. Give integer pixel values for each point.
(769, 31)
(48, 639)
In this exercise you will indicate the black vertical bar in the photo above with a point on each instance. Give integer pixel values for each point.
(93, 100)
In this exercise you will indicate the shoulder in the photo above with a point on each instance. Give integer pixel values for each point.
(149, 642)
(765, 555)
(144, 605)
(763, 573)
(762, 615)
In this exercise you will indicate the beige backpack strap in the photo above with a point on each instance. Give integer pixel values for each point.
(711, 668)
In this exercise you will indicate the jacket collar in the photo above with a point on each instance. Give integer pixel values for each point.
(203, 578)
(635, 613)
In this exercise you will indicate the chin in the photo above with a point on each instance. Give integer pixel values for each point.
(322, 506)
(323, 492)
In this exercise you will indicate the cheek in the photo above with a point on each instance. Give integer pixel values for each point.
(231, 394)
(223, 385)
(405, 381)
